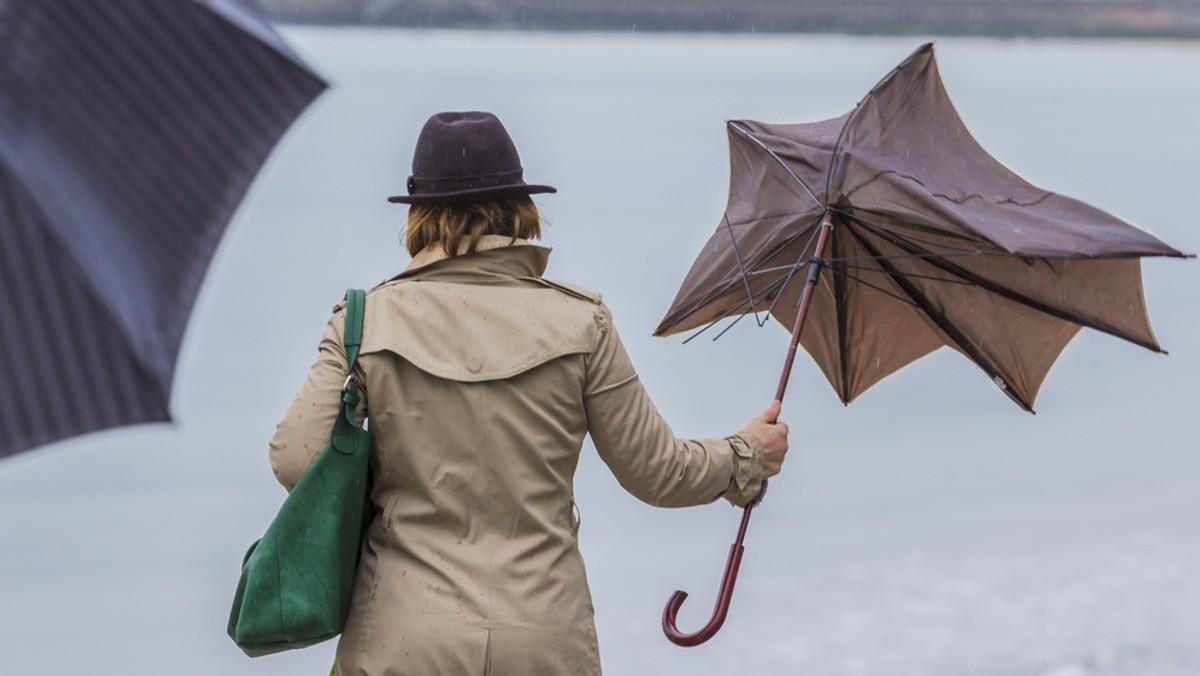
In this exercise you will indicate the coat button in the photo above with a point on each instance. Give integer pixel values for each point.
(474, 363)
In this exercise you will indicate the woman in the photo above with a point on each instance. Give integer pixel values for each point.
(480, 380)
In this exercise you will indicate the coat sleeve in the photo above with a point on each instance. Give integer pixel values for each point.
(641, 450)
(305, 428)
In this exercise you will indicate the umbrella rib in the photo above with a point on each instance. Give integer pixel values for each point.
(1015, 296)
(742, 267)
(951, 331)
(837, 145)
(746, 133)
(765, 291)
(896, 233)
(779, 268)
(731, 325)
(795, 267)
(786, 281)
(840, 307)
(810, 228)
(880, 289)
(717, 293)
(780, 284)
(914, 275)
(913, 257)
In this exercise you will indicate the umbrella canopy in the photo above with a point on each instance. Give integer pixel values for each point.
(927, 241)
(933, 242)
(129, 132)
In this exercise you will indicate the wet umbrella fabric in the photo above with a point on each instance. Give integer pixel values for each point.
(933, 242)
(129, 132)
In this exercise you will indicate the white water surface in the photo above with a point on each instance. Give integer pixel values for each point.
(930, 529)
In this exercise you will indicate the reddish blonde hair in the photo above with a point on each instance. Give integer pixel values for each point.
(447, 224)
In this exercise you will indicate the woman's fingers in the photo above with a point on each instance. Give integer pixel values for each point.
(772, 413)
(773, 437)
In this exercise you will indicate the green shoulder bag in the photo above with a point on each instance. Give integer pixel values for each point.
(297, 580)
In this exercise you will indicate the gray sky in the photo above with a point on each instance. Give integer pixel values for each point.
(931, 528)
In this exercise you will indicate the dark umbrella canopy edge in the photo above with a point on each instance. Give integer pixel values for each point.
(129, 133)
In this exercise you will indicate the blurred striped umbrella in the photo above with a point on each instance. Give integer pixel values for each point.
(129, 132)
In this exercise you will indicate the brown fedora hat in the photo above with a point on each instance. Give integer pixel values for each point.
(465, 156)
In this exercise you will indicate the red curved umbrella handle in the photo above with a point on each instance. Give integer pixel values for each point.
(724, 596)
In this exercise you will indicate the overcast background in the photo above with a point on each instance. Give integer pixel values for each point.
(930, 529)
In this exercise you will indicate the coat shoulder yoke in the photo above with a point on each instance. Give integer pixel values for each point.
(473, 330)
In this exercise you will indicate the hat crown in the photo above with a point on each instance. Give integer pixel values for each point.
(463, 145)
(465, 156)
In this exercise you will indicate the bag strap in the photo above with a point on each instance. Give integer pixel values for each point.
(356, 303)
(343, 436)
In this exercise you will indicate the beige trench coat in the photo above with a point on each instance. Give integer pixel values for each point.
(481, 380)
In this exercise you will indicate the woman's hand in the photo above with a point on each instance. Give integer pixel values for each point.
(773, 437)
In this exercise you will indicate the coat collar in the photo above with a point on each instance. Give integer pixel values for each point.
(434, 252)
(495, 254)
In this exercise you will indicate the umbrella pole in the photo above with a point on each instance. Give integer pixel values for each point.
(815, 266)
(733, 564)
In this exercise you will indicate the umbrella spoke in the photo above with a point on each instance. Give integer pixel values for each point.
(916, 256)
(780, 268)
(746, 133)
(731, 325)
(908, 236)
(914, 275)
(813, 231)
(841, 309)
(960, 340)
(837, 145)
(791, 273)
(778, 284)
(876, 287)
(796, 266)
(1018, 297)
(742, 267)
(726, 287)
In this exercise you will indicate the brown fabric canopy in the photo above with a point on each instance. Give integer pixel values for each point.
(934, 243)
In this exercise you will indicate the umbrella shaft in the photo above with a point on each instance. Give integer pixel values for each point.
(735, 552)
(814, 273)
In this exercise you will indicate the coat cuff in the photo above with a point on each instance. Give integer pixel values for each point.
(747, 478)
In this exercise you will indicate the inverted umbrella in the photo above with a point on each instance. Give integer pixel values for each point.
(894, 234)
(129, 132)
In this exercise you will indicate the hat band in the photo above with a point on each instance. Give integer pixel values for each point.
(426, 185)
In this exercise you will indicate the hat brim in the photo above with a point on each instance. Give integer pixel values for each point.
(472, 195)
